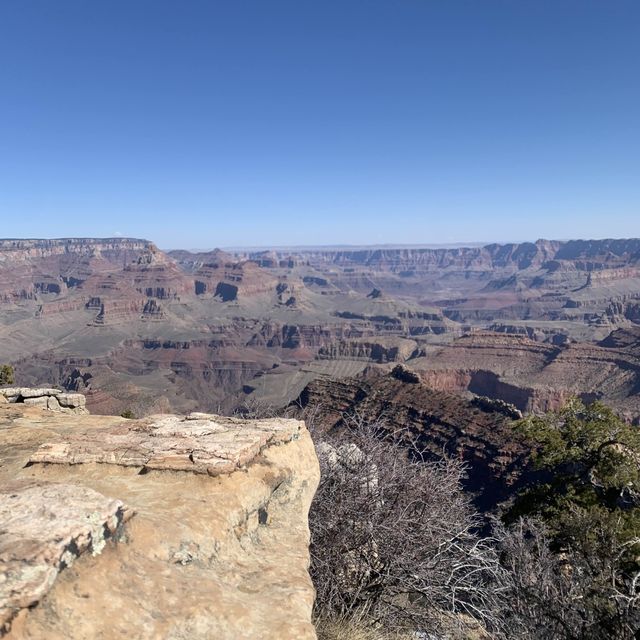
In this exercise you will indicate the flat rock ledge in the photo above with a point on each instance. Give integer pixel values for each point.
(47, 398)
(218, 547)
(199, 443)
(43, 529)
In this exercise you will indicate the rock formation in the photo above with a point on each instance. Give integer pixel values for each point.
(539, 377)
(551, 280)
(480, 434)
(376, 349)
(45, 527)
(46, 398)
(168, 527)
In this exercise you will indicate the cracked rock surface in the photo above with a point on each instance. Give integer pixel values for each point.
(46, 398)
(199, 443)
(217, 548)
(44, 528)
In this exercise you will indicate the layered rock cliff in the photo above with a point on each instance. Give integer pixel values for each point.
(477, 431)
(539, 377)
(169, 527)
(592, 254)
(543, 279)
(139, 330)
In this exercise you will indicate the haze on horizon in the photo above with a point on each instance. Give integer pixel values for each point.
(206, 124)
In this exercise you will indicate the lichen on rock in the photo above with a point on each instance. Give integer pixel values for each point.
(45, 527)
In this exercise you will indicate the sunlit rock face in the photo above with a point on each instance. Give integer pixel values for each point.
(166, 527)
(45, 397)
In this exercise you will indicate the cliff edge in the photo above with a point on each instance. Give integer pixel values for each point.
(167, 527)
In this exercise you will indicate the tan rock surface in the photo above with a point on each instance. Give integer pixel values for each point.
(37, 402)
(72, 399)
(204, 557)
(197, 443)
(45, 527)
(29, 392)
(47, 398)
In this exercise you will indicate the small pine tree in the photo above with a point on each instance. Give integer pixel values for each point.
(6, 374)
(591, 457)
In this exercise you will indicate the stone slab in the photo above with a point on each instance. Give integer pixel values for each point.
(199, 443)
(45, 527)
(72, 400)
(42, 401)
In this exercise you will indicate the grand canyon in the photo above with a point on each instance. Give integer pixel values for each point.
(139, 329)
(319, 320)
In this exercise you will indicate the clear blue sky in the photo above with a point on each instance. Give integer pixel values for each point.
(201, 124)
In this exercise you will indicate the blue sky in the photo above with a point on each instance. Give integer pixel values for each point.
(201, 124)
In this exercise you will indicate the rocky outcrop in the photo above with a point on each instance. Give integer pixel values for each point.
(45, 528)
(168, 527)
(481, 436)
(46, 398)
(219, 274)
(381, 349)
(491, 404)
(197, 443)
(538, 377)
(152, 311)
(405, 375)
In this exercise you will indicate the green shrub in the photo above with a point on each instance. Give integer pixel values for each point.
(6, 374)
(574, 550)
(591, 456)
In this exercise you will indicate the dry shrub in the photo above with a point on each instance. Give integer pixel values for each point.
(566, 595)
(354, 629)
(394, 540)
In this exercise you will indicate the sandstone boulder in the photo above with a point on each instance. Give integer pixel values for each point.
(199, 443)
(29, 392)
(10, 393)
(42, 401)
(72, 400)
(47, 398)
(222, 557)
(37, 392)
(45, 527)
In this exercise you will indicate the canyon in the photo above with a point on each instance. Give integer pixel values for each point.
(138, 329)
(476, 431)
